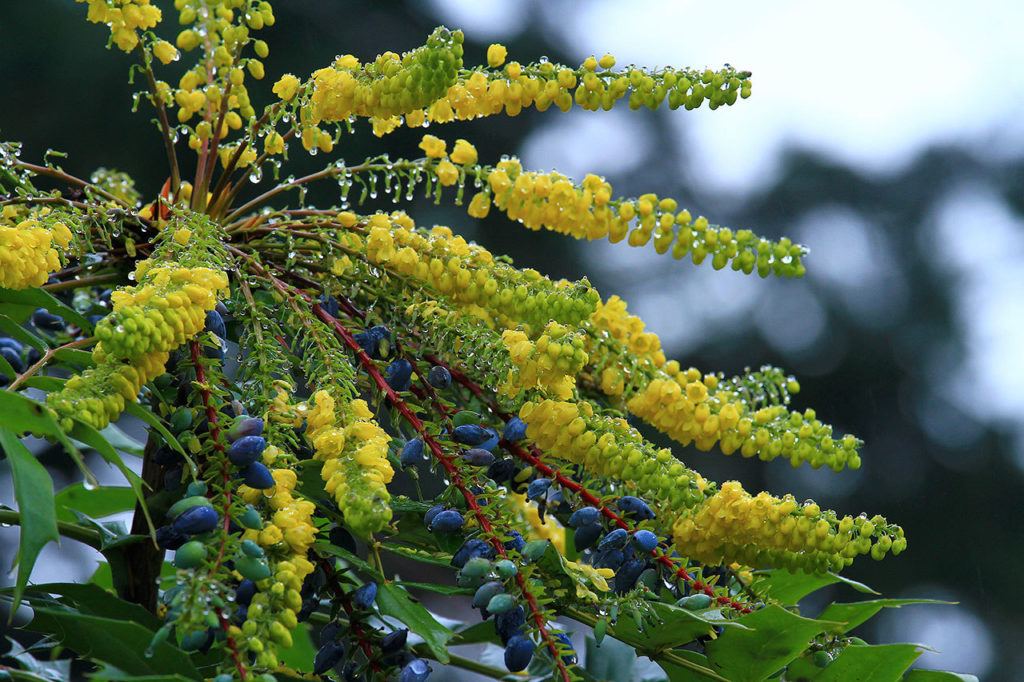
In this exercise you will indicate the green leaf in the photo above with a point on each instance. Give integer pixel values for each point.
(112, 640)
(94, 439)
(96, 502)
(394, 601)
(672, 626)
(300, 654)
(918, 675)
(477, 634)
(850, 615)
(93, 600)
(678, 673)
(122, 441)
(108, 672)
(75, 356)
(6, 369)
(776, 636)
(612, 660)
(789, 588)
(40, 298)
(33, 489)
(881, 663)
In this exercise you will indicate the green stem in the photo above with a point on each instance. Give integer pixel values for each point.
(82, 282)
(84, 535)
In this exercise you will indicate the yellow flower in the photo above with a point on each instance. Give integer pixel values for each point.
(447, 173)
(165, 52)
(464, 152)
(496, 54)
(433, 147)
(286, 87)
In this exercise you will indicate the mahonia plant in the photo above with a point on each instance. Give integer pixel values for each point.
(329, 390)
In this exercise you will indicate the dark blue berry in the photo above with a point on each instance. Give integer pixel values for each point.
(585, 516)
(471, 434)
(13, 344)
(215, 324)
(365, 595)
(586, 536)
(258, 476)
(625, 577)
(246, 450)
(47, 321)
(374, 341)
(635, 507)
(415, 670)
(538, 488)
(329, 655)
(394, 641)
(609, 558)
(169, 538)
(412, 453)
(484, 593)
(478, 457)
(568, 652)
(515, 430)
(518, 653)
(616, 539)
(510, 624)
(448, 521)
(14, 358)
(645, 540)
(439, 377)
(196, 520)
(474, 547)
(431, 513)
(517, 543)
(502, 470)
(399, 375)
(492, 440)
(330, 305)
(244, 593)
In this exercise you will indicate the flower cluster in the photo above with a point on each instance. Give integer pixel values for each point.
(166, 309)
(125, 18)
(762, 531)
(550, 363)
(470, 276)
(612, 318)
(552, 201)
(27, 249)
(389, 86)
(356, 468)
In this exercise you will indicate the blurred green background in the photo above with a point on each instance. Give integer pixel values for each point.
(908, 330)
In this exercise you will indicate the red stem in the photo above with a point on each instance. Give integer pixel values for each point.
(453, 473)
(214, 430)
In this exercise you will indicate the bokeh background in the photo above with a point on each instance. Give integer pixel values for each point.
(886, 136)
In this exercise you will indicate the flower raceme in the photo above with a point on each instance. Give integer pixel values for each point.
(550, 364)
(356, 468)
(29, 251)
(125, 19)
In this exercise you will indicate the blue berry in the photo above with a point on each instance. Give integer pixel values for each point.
(412, 453)
(167, 537)
(645, 540)
(510, 624)
(626, 576)
(478, 457)
(474, 547)
(394, 641)
(374, 341)
(330, 305)
(47, 321)
(329, 655)
(196, 520)
(244, 427)
(448, 521)
(215, 324)
(250, 548)
(501, 470)
(492, 440)
(14, 358)
(244, 593)
(431, 513)
(516, 543)
(439, 377)
(515, 430)
(250, 518)
(505, 569)
(609, 558)
(635, 507)
(470, 434)
(569, 653)
(586, 536)
(365, 595)
(258, 476)
(538, 488)
(246, 450)
(415, 670)
(585, 516)
(616, 539)
(518, 653)
(13, 344)
(399, 375)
